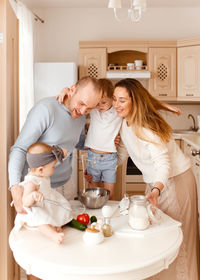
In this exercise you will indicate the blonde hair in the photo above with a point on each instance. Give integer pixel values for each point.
(144, 113)
(107, 88)
(39, 147)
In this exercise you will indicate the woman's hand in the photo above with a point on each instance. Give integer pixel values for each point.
(64, 92)
(153, 197)
(155, 192)
(176, 110)
(117, 140)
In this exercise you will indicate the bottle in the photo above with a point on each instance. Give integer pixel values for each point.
(106, 228)
(107, 212)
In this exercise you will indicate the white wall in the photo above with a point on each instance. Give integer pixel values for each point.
(57, 39)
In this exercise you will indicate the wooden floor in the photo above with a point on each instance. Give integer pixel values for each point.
(23, 274)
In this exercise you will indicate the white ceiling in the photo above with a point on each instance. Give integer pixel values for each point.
(104, 3)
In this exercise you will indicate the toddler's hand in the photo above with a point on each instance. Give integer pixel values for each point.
(38, 196)
(64, 92)
(88, 177)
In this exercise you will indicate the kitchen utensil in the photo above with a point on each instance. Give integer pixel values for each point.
(130, 66)
(92, 236)
(138, 64)
(141, 212)
(94, 198)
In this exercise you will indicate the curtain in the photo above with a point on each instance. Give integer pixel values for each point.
(26, 83)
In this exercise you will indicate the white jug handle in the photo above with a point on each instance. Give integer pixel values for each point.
(154, 213)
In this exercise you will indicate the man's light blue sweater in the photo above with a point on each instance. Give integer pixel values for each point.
(51, 123)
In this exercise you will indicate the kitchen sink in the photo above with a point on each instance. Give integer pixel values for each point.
(184, 131)
(193, 139)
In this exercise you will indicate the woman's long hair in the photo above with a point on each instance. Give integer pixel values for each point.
(144, 112)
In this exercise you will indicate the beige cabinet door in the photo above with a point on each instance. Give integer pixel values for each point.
(92, 62)
(162, 65)
(189, 73)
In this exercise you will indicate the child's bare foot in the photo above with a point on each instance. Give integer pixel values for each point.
(58, 237)
(58, 229)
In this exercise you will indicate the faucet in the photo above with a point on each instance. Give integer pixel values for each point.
(194, 127)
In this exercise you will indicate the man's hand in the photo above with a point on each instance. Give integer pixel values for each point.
(88, 177)
(17, 193)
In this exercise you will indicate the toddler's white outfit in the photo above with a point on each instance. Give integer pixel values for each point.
(104, 127)
(55, 210)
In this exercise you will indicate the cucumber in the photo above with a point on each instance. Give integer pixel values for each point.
(78, 225)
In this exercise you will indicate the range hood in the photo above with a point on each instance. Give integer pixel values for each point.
(142, 74)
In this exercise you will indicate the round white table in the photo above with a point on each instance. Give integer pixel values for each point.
(123, 257)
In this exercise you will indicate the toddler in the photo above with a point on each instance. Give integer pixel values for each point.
(46, 208)
(104, 128)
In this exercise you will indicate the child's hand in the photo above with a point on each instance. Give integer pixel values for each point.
(117, 140)
(88, 177)
(38, 196)
(65, 152)
(64, 92)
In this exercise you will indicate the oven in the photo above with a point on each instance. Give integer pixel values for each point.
(134, 179)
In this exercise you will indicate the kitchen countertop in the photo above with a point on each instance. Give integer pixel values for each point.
(192, 138)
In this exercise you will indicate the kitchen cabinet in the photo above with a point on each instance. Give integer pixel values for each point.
(162, 65)
(92, 62)
(196, 170)
(195, 163)
(189, 73)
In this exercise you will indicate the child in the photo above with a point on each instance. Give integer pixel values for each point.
(103, 129)
(46, 209)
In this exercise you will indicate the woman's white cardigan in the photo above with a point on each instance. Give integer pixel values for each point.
(156, 160)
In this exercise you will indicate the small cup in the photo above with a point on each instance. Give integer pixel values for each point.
(130, 66)
(138, 64)
(92, 236)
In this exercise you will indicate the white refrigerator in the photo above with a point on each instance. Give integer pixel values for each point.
(49, 79)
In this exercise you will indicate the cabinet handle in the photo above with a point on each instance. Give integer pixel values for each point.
(189, 94)
(195, 152)
(162, 94)
(197, 164)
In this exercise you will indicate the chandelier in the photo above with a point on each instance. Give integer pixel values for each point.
(133, 12)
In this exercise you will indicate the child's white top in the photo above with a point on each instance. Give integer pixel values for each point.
(104, 127)
(54, 210)
(157, 162)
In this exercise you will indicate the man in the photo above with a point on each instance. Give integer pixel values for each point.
(53, 124)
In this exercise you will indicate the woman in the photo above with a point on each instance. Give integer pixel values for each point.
(147, 139)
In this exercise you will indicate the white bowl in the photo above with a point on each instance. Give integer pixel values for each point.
(93, 238)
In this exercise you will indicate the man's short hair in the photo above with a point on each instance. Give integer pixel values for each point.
(89, 80)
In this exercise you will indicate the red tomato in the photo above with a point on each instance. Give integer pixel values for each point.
(83, 218)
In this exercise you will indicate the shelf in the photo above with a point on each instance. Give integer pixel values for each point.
(137, 74)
